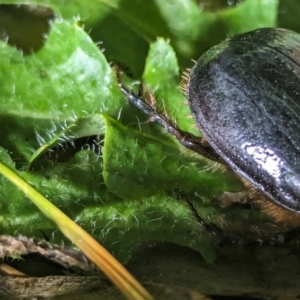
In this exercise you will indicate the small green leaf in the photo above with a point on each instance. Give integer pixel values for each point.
(162, 74)
(137, 165)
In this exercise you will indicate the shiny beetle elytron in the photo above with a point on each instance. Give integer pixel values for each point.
(244, 95)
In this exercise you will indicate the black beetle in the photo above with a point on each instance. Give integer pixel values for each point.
(244, 97)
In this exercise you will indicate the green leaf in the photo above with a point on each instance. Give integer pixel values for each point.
(289, 14)
(68, 9)
(136, 24)
(162, 75)
(77, 188)
(137, 165)
(42, 94)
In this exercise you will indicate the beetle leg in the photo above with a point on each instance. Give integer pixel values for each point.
(208, 227)
(186, 139)
(212, 228)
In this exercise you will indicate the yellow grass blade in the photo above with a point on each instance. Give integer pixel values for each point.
(130, 287)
